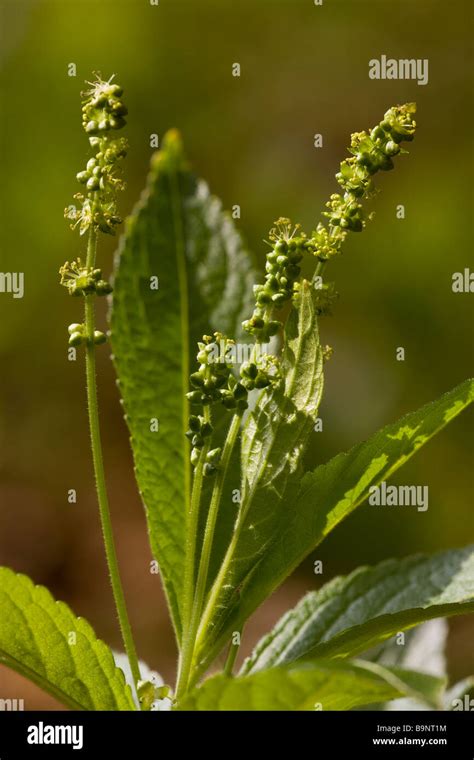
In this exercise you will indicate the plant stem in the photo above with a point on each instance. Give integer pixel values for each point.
(318, 270)
(190, 560)
(219, 582)
(209, 536)
(232, 656)
(101, 488)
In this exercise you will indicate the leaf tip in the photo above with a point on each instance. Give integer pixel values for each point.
(171, 156)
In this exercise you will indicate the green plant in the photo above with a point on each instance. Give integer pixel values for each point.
(218, 449)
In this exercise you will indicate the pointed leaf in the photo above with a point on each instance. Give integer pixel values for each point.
(333, 491)
(178, 235)
(353, 613)
(318, 685)
(45, 642)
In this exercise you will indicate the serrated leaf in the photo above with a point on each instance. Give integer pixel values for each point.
(333, 491)
(44, 641)
(179, 234)
(351, 614)
(273, 441)
(318, 685)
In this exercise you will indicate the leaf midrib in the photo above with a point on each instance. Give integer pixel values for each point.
(176, 208)
(43, 683)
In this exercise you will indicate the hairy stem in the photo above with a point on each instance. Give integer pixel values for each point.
(189, 569)
(208, 540)
(107, 531)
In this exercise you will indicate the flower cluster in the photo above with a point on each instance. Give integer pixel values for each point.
(282, 269)
(78, 336)
(103, 108)
(370, 153)
(261, 373)
(103, 113)
(83, 281)
(199, 433)
(215, 383)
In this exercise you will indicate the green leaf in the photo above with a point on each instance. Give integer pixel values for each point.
(273, 441)
(44, 641)
(317, 685)
(353, 613)
(178, 234)
(332, 492)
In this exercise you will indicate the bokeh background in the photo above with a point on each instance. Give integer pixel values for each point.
(304, 70)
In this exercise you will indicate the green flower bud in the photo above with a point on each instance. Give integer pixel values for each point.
(279, 299)
(392, 148)
(194, 423)
(257, 322)
(103, 288)
(272, 284)
(194, 397)
(99, 337)
(75, 328)
(249, 369)
(239, 392)
(76, 339)
(273, 327)
(229, 401)
(209, 385)
(214, 456)
(196, 380)
(206, 430)
(262, 381)
(377, 133)
(263, 298)
(93, 184)
(195, 456)
(119, 109)
(209, 470)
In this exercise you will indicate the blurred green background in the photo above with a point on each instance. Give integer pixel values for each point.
(304, 70)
